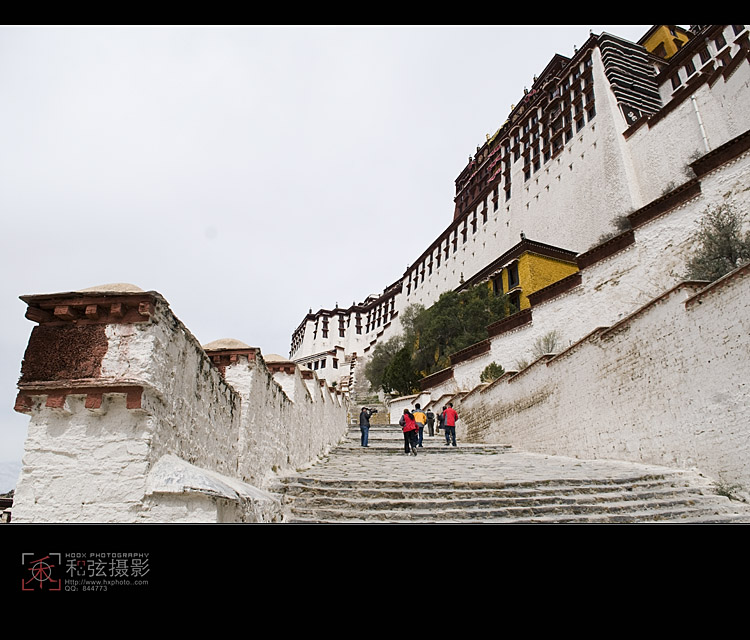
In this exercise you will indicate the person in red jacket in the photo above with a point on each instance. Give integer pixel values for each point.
(450, 424)
(410, 429)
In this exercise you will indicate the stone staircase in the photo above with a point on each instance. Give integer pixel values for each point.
(492, 484)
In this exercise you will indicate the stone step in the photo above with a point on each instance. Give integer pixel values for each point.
(493, 484)
(667, 516)
(482, 507)
(562, 493)
(538, 486)
(383, 449)
(637, 511)
(561, 497)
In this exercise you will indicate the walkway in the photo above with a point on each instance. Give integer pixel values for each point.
(493, 484)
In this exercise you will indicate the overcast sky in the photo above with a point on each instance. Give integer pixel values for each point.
(246, 174)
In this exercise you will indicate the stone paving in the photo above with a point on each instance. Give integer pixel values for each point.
(492, 483)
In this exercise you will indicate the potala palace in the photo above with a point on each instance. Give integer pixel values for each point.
(597, 137)
(131, 419)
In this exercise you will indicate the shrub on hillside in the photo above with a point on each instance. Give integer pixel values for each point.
(548, 343)
(491, 372)
(720, 245)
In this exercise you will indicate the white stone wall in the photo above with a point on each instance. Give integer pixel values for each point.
(562, 204)
(467, 374)
(662, 152)
(98, 465)
(396, 406)
(80, 466)
(611, 288)
(666, 386)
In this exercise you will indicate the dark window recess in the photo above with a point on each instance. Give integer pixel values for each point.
(497, 285)
(513, 275)
(515, 301)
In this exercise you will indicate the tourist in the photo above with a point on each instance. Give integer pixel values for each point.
(430, 422)
(410, 432)
(420, 418)
(441, 420)
(451, 417)
(364, 425)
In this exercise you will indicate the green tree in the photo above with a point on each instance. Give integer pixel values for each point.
(411, 318)
(721, 246)
(381, 357)
(400, 375)
(456, 321)
(491, 372)
(384, 352)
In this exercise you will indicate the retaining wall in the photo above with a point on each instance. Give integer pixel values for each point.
(666, 385)
(132, 421)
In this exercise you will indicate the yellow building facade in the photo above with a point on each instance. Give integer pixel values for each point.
(528, 274)
(525, 269)
(664, 40)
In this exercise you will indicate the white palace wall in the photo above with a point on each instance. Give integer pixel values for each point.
(715, 112)
(131, 421)
(608, 168)
(611, 288)
(667, 385)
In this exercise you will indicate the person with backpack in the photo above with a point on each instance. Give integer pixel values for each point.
(410, 428)
(441, 420)
(421, 419)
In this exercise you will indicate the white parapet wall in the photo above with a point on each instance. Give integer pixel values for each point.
(616, 277)
(131, 420)
(666, 385)
(643, 374)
